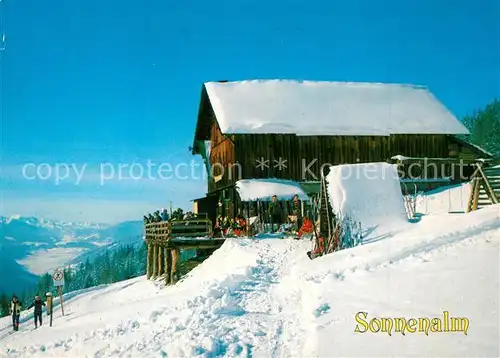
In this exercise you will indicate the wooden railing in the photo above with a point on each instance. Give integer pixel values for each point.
(165, 239)
(163, 231)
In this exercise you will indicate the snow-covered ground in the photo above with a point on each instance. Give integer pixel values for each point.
(265, 298)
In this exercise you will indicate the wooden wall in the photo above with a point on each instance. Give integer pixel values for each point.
(221, 159)
(301, 152)
(237, 156)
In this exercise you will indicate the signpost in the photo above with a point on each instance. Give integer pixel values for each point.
(58, 277)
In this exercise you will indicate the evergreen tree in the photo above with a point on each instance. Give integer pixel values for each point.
(111, 266)
(4, 305)
(484, 126)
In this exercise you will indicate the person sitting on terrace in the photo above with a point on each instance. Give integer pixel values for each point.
(306, 228)
(189, 215)
(226, 226)
(235, 227)
(164, 215)
(241, 225)
(178, 214)
(157, 216)
(296, 211)
(218, 226)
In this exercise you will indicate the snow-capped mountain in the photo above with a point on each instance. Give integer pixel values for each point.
(31, 246)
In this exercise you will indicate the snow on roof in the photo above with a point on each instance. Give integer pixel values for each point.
(480, 149)
(367, 193)
(264, 189)
(328, 108)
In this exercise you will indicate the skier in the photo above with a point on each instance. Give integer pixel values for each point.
(38, 303)
(15, 311)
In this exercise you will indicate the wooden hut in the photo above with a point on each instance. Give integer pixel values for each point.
(291, 129)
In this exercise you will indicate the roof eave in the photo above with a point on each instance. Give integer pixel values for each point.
(200, 110)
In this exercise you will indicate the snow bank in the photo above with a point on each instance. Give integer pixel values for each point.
(328, 108)
(411, 275)
(367, 193)
(264, 189)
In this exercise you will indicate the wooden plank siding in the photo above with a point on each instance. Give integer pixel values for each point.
(221, 158)
(239, 154)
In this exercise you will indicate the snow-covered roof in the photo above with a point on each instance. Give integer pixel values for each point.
(328, 108)
(264, 189)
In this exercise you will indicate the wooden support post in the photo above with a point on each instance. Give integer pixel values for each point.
(160, 261)
(168, 267)
(476, 194)
(61, 299)
(149, 263)
(471, 196)
(155, 261)
(176, 255)
(166, 273)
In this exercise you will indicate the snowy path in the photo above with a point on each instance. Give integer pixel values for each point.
(265, 298)
(250, 312)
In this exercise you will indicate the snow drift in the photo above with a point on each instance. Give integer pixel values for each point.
(367, 193)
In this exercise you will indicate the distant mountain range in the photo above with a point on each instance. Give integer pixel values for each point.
(32, 246)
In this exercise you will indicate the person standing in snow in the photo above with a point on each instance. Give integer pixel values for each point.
(38, 303)
(15, 311)
(296, 212)
(276, 213)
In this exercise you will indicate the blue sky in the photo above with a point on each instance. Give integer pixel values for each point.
(84, 82)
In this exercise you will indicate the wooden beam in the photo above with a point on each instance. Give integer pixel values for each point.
(149, 263)
(176, 256)
(168, 266)
(160, 261)
(476, 194)
(182, 242)
(155, 261)
(195, 244)
(196, 247)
